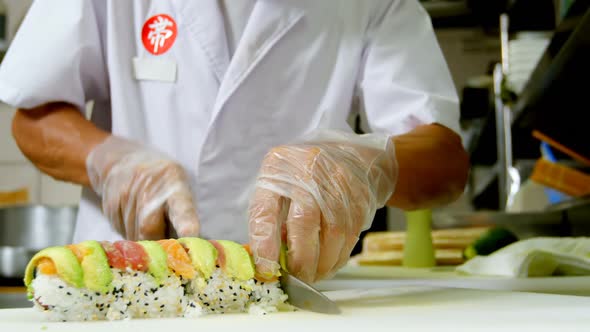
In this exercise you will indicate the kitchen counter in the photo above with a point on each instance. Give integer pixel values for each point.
(402, 309)
(11, 290)
(13, 297)
(14, 300)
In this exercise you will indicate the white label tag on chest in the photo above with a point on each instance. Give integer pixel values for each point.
(152, 69)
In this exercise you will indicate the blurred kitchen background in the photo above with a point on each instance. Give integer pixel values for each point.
(521, 68)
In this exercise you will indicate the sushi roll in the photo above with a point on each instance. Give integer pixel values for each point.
(186, 277)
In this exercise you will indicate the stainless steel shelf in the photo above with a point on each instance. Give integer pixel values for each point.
(571, 37)
(441, 8)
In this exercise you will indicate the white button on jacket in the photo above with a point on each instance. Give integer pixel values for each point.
(298, 66)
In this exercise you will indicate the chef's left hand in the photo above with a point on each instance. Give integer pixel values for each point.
(323, 193)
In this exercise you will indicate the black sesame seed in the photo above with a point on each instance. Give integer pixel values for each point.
(221, 290)
(129, 303)
(97, 294)
(206, 303)
(230, 287)
(161, 285)
(211, 278)
(139, 285)
(135, 274)
(162, 306)
(217, 265)
(262, 283)
(122, 313)
(212, 309)
(156, 298)
(101, 309)
(60, 286)
(68, 293)
(145, 312)
(135, 292)
(137, 301)
(235, 294)
(235, 300)
(146, 304)
(85, 295)
(91, 298)
(221, 306)
(108, 305)
(268, 291)
(193, 305)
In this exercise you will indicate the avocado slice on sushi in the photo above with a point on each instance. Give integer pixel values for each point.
(65, 262)
(158, 259)
(238, 263)
(283, 257)
(202, 253)
(95, 266)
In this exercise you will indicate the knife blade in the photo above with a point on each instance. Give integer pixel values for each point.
(304, 296)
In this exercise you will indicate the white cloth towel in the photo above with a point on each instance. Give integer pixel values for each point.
(535, 257)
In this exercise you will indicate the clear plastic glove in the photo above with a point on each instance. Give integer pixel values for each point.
(142, 190)
(318, 196)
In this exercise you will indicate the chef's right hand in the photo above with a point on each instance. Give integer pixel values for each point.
(141, 190)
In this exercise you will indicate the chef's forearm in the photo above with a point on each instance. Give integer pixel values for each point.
(57, 138)
(433, 168)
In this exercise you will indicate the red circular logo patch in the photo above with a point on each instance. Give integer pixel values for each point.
(159, 33)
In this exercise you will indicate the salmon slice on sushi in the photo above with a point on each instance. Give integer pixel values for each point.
(186, 277)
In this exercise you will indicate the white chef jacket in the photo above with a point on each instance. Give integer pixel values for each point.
(298, 66)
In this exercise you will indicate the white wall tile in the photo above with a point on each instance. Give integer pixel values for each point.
(59, 193)
(9, 152)
(468, 52)
(16, 10)
(20, 175)
(396, 219)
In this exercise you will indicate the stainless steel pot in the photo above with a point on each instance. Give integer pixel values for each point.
(14, 260)
(27, 229)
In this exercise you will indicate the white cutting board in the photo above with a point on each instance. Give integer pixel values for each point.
(396, 276)
(404, 309)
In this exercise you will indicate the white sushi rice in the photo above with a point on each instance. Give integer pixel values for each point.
(222, 294)
(139, 295)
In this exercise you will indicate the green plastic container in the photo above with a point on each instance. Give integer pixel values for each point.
(418, 248)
